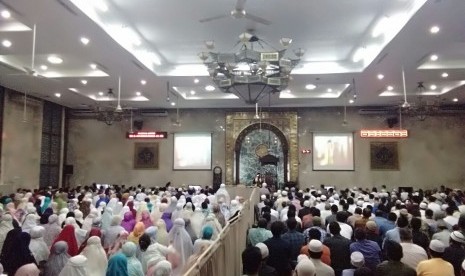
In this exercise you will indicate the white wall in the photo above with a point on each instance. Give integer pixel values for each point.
(102, 154)
(20, 146)
(434, 154)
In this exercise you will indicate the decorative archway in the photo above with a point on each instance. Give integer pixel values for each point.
(248, 130)
(284, 122)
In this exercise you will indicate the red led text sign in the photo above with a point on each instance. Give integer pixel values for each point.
(147, 135)
(397, 133)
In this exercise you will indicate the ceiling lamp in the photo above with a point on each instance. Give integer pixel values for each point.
(251, 74)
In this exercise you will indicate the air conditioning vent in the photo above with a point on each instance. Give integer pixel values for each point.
(153, 112)
(376, 111)
(452, 109)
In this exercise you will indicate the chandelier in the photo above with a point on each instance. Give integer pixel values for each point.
(248, 73)
(110, 114)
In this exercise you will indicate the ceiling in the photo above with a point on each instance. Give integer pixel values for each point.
(346, 42)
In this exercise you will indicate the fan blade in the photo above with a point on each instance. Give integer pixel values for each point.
(33, 46)
(240, 5)
(208, 19)
(257, 19)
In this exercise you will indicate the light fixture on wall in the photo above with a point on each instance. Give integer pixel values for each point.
(248, 73)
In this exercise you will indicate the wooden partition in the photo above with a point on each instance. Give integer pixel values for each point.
(223, 257)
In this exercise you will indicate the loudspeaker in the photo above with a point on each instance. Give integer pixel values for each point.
(392, 122)
(138, 124)
(68, 169)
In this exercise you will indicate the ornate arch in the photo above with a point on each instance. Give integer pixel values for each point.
(283, 124)
(266, 126)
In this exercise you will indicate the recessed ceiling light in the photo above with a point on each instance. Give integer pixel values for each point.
(55, 60)
(192, 92)
(57, 95)
(351, 101)
(84, 82)
(444, 75)
(173, 103)
(210, 88)
(433, 57)
(6, 14)
(433, 87)
(390, 88)
(6, 43)
(310, 86)
(455, 100)
(434, 29)
(380, 76)
(93, 66)
(85, 40)
(196, 80)
(330, 90)
(100, 93)
(73, 89)
(44, 67)
(143, 82)
(138, 93)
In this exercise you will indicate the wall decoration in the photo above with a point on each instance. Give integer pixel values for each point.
(384, 156)
(146, 156)
(333, 151)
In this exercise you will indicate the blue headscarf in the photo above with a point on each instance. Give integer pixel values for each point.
(47, 201)
(207, 232)
(118, 265)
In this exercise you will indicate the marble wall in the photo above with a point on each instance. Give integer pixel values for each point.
(434, 154)
(20, 160)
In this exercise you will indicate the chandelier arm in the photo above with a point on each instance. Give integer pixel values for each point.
(258, 95)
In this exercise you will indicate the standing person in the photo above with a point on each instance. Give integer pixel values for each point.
(16, 251)
(265, 270)
(280, 250)
(435, 266)
(76, 266)
(134, 265)
(413, 253)
(96, 257)
(369, 249)
(315, 248)
(339, 248)
(117, 265)
(393, 266)
(294, 238)
(259, 234)
(455, 254)
(251, 260)
(57, 259)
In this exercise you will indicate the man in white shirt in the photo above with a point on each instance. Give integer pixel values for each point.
(346, 230)
(413, 254)
(450, 220)
(315, 248)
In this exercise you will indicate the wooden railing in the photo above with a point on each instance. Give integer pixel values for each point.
(223, 257)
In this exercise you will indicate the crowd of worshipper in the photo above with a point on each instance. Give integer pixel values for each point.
(325, 232)
(116, 231)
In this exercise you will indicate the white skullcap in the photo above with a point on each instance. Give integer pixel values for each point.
(264, 185)
(437, 246)
(286, 189)
(360, 203)
(263, 197)
(323, 198)
(331, 199)
(307, 203)
(275, 194)
(284, 193)
(222, 185)
(444, 207)
(357, 259)
(315, 246)
(457, 236)
(263, 249)
(423, 205)
(305, 268)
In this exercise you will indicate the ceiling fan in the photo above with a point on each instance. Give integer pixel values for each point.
(237, 13)
(30, 71)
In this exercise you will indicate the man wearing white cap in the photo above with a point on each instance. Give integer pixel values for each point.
(264, 268)
(315, 248)
(435, 266)
(305, 268)
(264, 189)
(455, 253)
